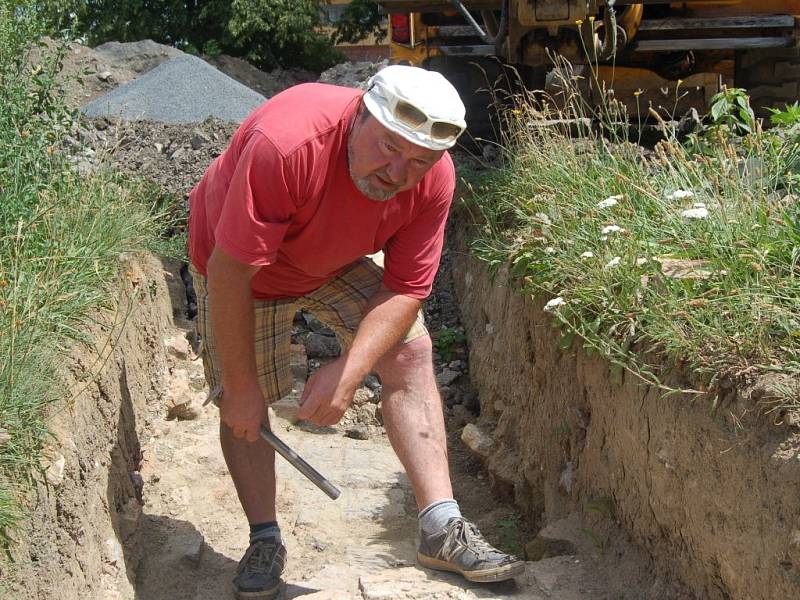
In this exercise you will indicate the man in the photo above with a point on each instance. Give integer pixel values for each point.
(314, 180)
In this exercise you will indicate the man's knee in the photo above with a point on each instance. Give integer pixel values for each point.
(406, 361)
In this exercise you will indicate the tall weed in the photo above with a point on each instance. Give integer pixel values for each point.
(682, 256)
(60, 238)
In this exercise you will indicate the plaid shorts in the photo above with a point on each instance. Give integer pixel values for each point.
(339, 304)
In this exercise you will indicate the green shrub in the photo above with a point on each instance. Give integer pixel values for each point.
(268, 33)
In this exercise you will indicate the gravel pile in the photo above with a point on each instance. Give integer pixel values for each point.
(184, 89)
(353, 75)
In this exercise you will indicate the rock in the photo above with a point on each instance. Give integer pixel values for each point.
(478, 441)
(176, 154)
(322, 346)
(189, 547)
(542, 547)
(372, 382)
(358, 432)
(179, 390)
(104, 75)
(456, 365)
(471, 401)
(451, 396)
(316, 325)
(84, 167)
(367, 414)
(199, 139)
(159, 147)
(410, 583)
(330, 595)
(4, 436)
(447, 376)
(138, 483)
(55, 471)
(186, 411)
(363, 396)
(178, 347)
(112, 551)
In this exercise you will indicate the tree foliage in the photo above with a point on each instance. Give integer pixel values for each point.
(359, 20)
(268, 33)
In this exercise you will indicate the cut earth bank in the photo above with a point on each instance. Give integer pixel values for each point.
(710, 493)
(128, 514)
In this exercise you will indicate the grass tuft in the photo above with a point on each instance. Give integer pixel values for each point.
(683, 256)
(61, 236)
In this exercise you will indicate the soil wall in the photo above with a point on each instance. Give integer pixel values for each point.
(712, 495)
(82, 536)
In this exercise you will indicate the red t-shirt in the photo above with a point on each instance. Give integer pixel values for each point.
(281, 196)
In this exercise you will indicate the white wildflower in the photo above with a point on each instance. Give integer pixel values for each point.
(544, 218)
(553, 304)
(680, 195)
(610, 201)
(549, 250)
(613, 262)
(699, 205)
(612, 229)
(587, 254)
(695, 213)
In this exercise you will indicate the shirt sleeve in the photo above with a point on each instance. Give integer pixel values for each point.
(412, 254)
(259, 204)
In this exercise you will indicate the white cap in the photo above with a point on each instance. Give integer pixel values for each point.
(428, 91)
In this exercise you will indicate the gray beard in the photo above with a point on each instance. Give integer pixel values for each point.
(363, 184)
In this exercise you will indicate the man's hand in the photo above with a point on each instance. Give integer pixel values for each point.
(327, 394)
(243, 415)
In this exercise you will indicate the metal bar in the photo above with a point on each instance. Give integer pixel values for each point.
(455, 31)
(477, 50)
(760, 22)
(395, 6)
(711, 44)
(298, 463)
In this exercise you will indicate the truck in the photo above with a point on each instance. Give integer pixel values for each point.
(654, 54)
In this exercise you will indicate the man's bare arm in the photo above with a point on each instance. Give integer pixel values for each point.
(231, 309)
(387, 319)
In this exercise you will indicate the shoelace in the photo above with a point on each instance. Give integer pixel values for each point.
(258, 557)
(468, 535)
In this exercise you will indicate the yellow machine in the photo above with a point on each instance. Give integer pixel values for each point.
(671, 55)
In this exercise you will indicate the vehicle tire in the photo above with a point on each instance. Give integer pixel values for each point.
(770, 75)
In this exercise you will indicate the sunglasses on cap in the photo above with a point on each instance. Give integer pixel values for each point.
(414, 118)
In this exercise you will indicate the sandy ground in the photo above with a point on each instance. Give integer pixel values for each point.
(360, 546)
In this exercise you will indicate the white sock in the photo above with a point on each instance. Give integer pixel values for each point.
(435, 516)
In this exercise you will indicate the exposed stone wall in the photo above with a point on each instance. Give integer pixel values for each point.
(82, 536)
(712, 494)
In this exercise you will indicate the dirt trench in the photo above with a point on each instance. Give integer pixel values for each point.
(361, 546)
(141, 506)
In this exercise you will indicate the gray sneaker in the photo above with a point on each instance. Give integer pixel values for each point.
(460, 548)
(259, 572)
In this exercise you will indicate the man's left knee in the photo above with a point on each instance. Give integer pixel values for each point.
(406, 360)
